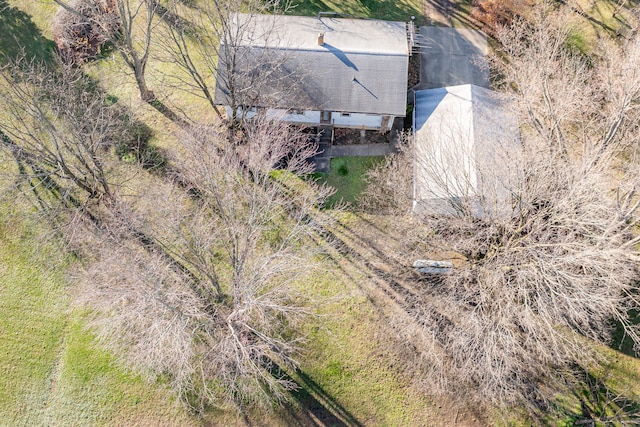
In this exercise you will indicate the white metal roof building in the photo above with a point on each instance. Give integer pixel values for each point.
(467, 152)
(321, 64)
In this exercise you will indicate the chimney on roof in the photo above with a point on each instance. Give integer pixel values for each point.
(320, 39)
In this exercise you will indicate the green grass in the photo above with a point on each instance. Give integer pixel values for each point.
(351, 371)
(32, 302)
(96, 390)
(346, 176)
(597, 19)
(57, 374)
(610, 391)
(20, 34)
(392, 10)
(594, 21)
(53, 371)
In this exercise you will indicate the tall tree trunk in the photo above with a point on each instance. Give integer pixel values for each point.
(146, 94)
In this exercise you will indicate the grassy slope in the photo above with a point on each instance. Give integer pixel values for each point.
(53, 371)
(349, 361)
(21, 32)
(73, 382)
(58, 375)
(610, 391)
(391, 10)
(33, 303)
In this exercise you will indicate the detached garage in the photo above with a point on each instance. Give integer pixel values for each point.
(467, 151)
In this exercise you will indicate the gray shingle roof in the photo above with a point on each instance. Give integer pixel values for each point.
(361, 67)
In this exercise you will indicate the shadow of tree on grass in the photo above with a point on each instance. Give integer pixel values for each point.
(318, 407)
(324, 408)
(622, 342)
(597, 402)
(20, 35)
(377, 9)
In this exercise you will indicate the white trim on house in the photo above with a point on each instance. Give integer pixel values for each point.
(313, 118)
(358, 120)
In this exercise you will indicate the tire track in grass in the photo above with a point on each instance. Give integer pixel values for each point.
(32, 301)
(54, 380)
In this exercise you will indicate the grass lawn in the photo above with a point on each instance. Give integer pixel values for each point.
(20, 32)
(59, 375)
(346, 367)
(391, 10)
(346, 176)
(55, 373)
(33, 305)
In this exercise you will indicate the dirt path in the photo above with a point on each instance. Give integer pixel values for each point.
(437, 12)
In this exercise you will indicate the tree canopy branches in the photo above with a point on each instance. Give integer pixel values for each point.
(242, 230)
(199, 287)
(558, 263)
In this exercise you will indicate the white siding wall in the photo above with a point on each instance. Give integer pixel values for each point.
(357, 120)
(307, 117)
(353, 120)
(250, 113)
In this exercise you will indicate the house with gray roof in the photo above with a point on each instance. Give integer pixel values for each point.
(315, 70)
(467, 152)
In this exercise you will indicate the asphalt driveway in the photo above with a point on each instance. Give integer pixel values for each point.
(452, 56)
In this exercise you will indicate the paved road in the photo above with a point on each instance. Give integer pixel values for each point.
(452, 56)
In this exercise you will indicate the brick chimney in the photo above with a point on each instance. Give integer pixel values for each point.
(320, 39)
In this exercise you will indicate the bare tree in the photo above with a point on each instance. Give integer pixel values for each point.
(555, 266)
(239, 221)
(530, 285)
(203, 288)
(137, 21)
(389, 185)
(61, 130)
(212, 50)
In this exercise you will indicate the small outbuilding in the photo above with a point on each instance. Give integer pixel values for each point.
(467, 151)
(315, 71)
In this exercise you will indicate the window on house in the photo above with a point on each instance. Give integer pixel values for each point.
(345, 114)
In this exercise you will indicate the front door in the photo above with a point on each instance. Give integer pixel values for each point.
(325, 117)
